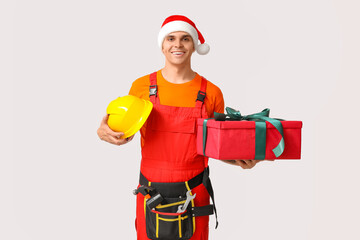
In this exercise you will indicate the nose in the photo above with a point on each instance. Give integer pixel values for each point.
(178, 43)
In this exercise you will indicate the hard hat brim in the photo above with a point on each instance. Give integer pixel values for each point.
(137, 126)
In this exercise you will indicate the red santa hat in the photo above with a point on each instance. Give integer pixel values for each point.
(176, 23)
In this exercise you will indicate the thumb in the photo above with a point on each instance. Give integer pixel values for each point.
(105, 118)
(119, 134)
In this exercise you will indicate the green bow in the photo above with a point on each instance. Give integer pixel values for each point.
(260, 129)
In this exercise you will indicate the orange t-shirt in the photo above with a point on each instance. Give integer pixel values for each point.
(179, 95)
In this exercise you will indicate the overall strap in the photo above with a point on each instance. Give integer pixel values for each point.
(153, 89)
(201, 99)
(202, 93)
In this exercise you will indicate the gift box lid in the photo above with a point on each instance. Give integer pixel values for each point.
(245, 124)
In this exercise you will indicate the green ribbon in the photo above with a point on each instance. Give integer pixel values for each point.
(260, 119)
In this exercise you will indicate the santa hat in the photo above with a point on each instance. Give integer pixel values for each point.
(176, 23)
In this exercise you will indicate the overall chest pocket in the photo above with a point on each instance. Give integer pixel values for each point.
(164, 223)
(174, 121)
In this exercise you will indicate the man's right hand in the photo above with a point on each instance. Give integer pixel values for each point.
(106, 134)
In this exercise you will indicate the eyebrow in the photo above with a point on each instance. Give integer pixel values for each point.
(183, 36)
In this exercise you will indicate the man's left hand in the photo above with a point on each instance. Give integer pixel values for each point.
(245, 164)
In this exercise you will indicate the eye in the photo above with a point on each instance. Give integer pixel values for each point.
(170, 38)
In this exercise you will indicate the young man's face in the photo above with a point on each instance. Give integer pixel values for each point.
(178, 47)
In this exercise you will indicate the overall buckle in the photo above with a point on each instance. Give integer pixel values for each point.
(201, 96)
(153, 90)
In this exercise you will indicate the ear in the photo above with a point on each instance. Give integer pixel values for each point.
(162, 47)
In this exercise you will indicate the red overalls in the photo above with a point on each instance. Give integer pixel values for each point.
(169, 154)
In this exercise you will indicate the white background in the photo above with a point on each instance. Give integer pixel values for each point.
(62, 62)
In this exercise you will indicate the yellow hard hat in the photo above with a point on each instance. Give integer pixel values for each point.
(128, 114)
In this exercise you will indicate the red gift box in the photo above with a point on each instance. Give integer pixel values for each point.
(228, 140)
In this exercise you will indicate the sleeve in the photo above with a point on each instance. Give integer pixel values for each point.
(216, 100)
(219, 103)
(140, 88)
(134, 90)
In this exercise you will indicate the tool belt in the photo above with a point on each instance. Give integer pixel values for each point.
(169, 208)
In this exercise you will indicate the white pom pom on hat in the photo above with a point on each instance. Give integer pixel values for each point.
(203, 49)
(176, 23)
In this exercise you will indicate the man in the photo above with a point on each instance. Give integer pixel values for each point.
(170, 165)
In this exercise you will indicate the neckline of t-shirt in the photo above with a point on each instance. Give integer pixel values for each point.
(192, 81)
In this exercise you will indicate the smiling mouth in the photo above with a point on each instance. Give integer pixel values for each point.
(178, 53)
